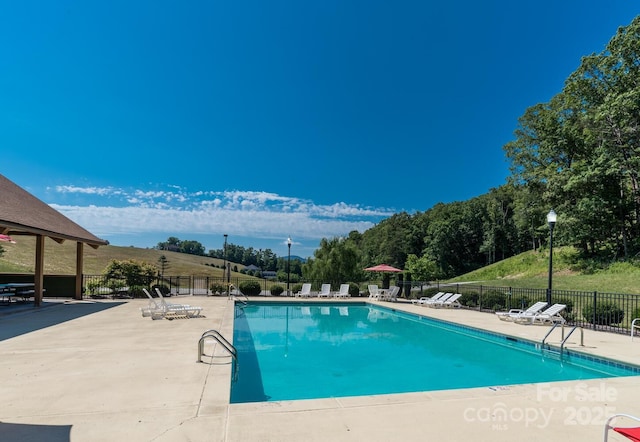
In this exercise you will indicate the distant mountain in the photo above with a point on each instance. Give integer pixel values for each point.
(299, 258)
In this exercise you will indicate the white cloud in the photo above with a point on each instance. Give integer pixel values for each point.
(88, 190)
(238, 213)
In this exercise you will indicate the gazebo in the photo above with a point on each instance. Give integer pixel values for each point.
(23, 214)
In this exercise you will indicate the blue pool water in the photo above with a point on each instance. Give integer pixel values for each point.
(303, 351)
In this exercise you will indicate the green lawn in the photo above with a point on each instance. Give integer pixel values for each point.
(531, 270)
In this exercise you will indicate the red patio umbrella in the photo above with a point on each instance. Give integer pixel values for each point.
(383, 268)
(6, 238)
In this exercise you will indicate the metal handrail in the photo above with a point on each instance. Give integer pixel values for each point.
(569, 334)
(244, 301)
(564, 339)
(552, 329)
(228, 346)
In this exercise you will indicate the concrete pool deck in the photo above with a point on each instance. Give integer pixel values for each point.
(99, 371)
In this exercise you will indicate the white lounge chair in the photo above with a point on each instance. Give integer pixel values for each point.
(548, 316)
(174, 310)
(343, 292)
(425, 299)
(154, 309)
(512, 314)
(449, 300)
(159, 309)
(391, 294)
(305, 292)
(632, 433)
(374, 292)
(452, 301)
(325, 291)
(440, 300)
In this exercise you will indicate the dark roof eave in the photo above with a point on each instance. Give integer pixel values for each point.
(27, 230)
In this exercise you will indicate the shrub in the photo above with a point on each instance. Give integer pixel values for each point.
(493, 300)
(277, 290)
(218, 288)
(163, 289)
(469, 299)
(295, 288)
(606, 313)
(136, 291)
(250, 288)
(93, 286)
(354, 289)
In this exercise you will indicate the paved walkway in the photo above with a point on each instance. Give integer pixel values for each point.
(98, 371)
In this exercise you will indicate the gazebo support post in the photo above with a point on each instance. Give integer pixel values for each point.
(79, 264)
(38, 277)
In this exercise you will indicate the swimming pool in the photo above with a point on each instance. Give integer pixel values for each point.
(290, 351)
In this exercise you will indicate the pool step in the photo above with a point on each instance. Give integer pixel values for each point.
(551, 353)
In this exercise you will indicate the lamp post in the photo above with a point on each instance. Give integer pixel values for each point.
(551, 220)
(224, 271)
(288, 264)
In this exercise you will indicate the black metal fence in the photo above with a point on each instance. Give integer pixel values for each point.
(612, 312)
(99, 286)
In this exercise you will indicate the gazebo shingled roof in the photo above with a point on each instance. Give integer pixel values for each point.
(23, 214)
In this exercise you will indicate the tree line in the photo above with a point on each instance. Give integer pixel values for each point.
(246, 256)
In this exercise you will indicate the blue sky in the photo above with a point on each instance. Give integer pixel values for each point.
(262, 120)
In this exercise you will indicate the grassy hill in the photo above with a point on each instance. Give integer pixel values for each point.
(570, 272)
(60, 259)
(529, 269)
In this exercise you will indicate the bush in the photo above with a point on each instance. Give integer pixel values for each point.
(163, 289)
(250, 288)
(469, 299)
(295, 288)
(494, 301)
(354, 289)
(277, 290)
(606, 313)
(218, 288)
(136, 292)
(93, 286)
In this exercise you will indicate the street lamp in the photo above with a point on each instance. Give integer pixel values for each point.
(288, 264)
(551, 220)
(224, 253)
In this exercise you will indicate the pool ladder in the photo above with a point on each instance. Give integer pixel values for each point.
(564, 339)
(243, 302)
(228, 346)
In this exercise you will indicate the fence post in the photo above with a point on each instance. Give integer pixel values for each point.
(595, 305)
(480, 299)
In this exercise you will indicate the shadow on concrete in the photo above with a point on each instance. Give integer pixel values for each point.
(32, 318)
(27, 432)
